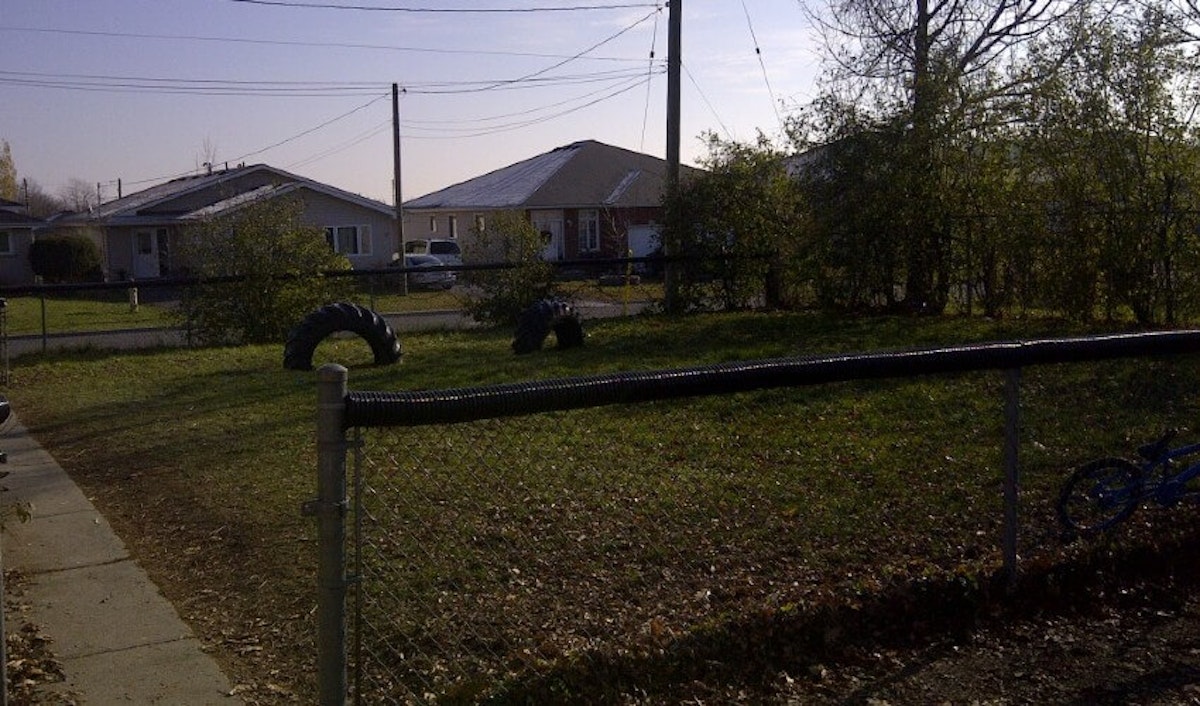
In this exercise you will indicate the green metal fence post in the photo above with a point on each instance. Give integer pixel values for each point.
(330, 510)
(1012, 428)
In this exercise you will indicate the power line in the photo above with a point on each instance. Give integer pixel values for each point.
(537, 121)
(704, 98)
(312, 129)
(361, 137)
(306, 89)
(294, 43)
(516, 114)
(763, 66)
(649, 70)
(595, 46)
(156, 180)
(220, 87)
(451, 10)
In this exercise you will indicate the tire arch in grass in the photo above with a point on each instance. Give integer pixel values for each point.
(540, 318)
(332, 318)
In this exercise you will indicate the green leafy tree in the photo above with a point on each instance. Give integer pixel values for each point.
(935, 71)
(740, 225)
(274, 264)
(1117, 152)
(499, 295)
(8, 173)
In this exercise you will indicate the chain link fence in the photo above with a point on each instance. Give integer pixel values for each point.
(607, 538)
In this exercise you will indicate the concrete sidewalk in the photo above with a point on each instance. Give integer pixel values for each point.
(118, 639)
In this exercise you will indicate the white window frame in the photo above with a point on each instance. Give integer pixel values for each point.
(360, 239)
(589, 230)
(479, 223)
(433, 224)
(452, 221)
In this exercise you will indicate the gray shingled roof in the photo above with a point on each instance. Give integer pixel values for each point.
(153, 205)
(581, 174)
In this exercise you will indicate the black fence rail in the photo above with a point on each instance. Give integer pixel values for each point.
(580, 538)
(49, 313)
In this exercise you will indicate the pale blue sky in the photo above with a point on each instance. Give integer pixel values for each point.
(142, 90)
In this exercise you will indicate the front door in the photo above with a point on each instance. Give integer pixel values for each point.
(552, 236)
(145, 255)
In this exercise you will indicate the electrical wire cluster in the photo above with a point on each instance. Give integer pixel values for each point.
(592, 87)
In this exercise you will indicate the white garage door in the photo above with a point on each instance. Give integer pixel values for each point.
(643, 240)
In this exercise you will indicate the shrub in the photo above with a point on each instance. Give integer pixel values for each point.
(66, 258)
(271, 265)
(499, 296)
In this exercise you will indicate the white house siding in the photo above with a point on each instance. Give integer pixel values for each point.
(417, 226)
(14, 266)
(326, 212)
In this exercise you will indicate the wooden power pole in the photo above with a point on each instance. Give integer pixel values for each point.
(397, 192)
(674, 62)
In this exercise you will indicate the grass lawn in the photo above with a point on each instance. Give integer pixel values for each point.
(108, 311)
(698, 515)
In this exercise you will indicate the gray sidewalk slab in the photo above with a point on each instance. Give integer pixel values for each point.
(118, 639)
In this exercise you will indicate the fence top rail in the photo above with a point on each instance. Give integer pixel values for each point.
(415, 408)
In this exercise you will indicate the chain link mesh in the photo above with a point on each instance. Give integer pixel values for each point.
(537, 557)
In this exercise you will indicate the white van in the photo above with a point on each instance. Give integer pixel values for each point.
(445, 250)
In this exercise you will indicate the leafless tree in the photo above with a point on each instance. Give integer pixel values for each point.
(78, 195)
(41, 203)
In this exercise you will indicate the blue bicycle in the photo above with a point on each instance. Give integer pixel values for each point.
(1104, 492)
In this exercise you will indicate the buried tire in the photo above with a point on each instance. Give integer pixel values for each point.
(331, 318)
(539, 319)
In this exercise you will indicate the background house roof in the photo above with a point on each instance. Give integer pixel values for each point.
(208, 195)
(581, 174)
(13, 213)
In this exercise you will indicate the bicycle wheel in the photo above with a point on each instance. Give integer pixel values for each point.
(1099, 494)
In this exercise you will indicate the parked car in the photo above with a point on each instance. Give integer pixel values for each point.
(433, 279)
(445, 250)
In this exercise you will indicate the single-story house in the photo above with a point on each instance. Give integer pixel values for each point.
(135, 233)
(17, 231)
(588, 199)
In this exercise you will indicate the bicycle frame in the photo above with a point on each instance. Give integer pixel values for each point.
(1168, 488)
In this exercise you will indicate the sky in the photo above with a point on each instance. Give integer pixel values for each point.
(142, 91)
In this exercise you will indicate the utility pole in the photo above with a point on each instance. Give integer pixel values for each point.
(674, 62)
(397, 192)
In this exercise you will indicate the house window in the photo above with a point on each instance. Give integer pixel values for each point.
(433, 224)
(589, 231)
(453, 223)
(6, 243)
(349, 240)
(479, 223)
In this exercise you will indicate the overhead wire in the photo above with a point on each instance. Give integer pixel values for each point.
(703, 97)
(149, 84)
(528, 123)
(343, 146)
(294, 43)
(762, 65)
(563, 62)
(313, 129)
(649, 70)
(449, 10)
(618, 82)
(502, 116)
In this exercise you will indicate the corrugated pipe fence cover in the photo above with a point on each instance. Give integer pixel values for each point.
(596, 537)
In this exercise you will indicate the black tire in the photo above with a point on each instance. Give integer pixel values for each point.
(1099, 494)
(569, 332)
(343, 316)
(540, 318)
